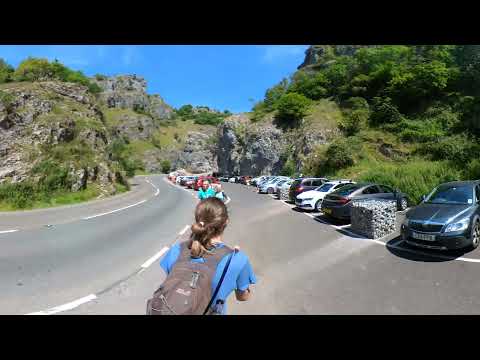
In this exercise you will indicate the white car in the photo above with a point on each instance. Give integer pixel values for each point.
(232, 180)
(271, 186)
(312, 200)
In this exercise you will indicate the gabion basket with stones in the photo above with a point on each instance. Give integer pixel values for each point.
(373, 218)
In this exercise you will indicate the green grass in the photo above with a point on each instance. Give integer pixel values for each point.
(57, 198)
(323, 114)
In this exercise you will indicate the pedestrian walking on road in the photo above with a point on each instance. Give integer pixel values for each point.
(219, 193)
(205, 191)
(203, 271)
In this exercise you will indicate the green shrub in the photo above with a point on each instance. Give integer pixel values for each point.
(94, 88)
(353, 121)
(472, 171)
(415, 178)
(384, 112)
(339, 155)
(311, 86)
(100, 77)
(33, 69)
(456, 148)
(292, 108)
(166, 166)
(6, 72)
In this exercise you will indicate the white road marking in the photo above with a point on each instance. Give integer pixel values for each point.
(8, 231)
(184, 230)
(157, 192)
(65, 307)
(228, 200)
(154, 258)
(114, 211)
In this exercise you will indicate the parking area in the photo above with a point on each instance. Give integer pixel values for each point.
(393, 242)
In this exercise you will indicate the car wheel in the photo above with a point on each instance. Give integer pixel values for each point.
(403, 204)
(475, 234)
(318, 205)
(270, 190)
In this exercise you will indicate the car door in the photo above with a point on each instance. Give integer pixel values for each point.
(370, 192)
(386, 192)
(315, 184)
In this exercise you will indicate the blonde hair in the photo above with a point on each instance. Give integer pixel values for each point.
(211, 218)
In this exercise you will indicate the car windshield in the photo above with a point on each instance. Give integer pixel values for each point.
(324, 187)
(347, 189)
(451, 194)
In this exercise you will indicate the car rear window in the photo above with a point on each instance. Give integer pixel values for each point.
(347, 189)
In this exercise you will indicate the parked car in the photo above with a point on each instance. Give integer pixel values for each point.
(256, 180)
(304, 184)
(284, 189)
(448, 218)
(312, 199)
(264, 180)
(278, 187)
(223, 179)
(338, 203)
(179, 179)
(245, 180)
(191, 182)
(270, 187)
(233, 179)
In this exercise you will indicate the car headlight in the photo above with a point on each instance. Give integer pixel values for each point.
(458, 226)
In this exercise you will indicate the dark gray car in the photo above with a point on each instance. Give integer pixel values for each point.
(338, 204)
(448, 218)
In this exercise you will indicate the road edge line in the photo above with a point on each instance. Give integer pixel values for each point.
(65, 307)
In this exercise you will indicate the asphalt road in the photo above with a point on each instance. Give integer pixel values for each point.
(303, 263)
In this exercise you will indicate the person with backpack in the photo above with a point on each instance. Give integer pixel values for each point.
(203, 271)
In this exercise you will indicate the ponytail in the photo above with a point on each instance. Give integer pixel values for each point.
(210, 221)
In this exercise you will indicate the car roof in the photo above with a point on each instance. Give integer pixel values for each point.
(462, 183)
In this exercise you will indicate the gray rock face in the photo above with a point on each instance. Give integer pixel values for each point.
(46, 116)
(198, 154)
(317, 54)
(246, 148)
(130, 92)
(373, 218)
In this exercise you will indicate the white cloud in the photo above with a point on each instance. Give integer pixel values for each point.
(274, 53)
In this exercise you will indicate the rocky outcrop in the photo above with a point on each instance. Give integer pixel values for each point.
(130, 92)
(246, 148)
(198, 154)
(318, 55)
(54, 121)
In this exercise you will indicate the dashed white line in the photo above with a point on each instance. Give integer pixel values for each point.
(154, 258)
(8, 231)
(65, 307)
(184, 230)
(114, 211)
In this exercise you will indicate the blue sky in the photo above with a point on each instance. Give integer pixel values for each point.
(218, 76)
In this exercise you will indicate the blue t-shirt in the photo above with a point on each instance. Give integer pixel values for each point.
(205, 194)
(238, 277)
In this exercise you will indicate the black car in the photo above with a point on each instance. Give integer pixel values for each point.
(304, 184)
(448, 218)
(338, 203)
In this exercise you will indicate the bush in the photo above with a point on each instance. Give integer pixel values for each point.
(166, 166)
(353, 121)
(311, 86)
(339, 155)
(384, 112)
(6, 72)
(274, 94)
(100, 77)
(456, 148)
(185, 111)
(33, 69)
(292, 108)
(415, 178)
(472, 171)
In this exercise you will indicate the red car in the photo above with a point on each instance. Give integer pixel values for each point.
(199, 182)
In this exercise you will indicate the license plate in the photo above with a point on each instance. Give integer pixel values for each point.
(423, 237)
(327, 211)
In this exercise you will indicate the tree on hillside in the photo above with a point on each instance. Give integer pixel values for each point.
(6, 72)
(292, 108)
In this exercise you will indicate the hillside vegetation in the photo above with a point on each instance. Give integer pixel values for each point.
(409, 114)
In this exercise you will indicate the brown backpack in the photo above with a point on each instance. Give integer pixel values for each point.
(187, 289)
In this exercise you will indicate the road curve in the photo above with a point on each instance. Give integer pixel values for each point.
(43, 267)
